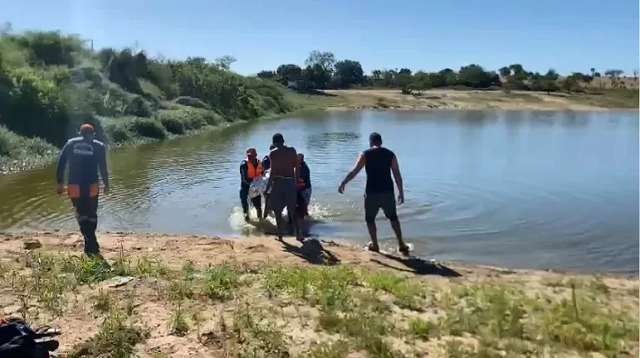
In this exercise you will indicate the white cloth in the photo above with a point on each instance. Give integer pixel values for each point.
(257, 187)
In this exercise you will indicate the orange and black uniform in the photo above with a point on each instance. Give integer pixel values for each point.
(85, 158)
(249, 171)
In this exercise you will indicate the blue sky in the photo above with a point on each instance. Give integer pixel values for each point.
(568, 35)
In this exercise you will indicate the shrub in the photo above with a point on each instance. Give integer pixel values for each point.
(117, 130)
(191, 102)
(173, 125)
(138, 107)
(191, 118)
(15, 146)
(148, 127)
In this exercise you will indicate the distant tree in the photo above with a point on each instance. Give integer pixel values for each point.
(518, 71)
(422, 81)
(348, 73)
(535, 76)
(569, 83)
(614, 76)
(225, 61)
(438, 79)
(324, 59)
(404, 71)
(516, 83)
(376, 74)
(552, 75)
(387, 77)
(593, 72)
(505, 71)
(613, 73)
(403, 81)
(581, 77)
(287, 71)
(267, 74)
(475, 76)
(196, 61)
(548, 85)
(317, 75)
(635, 75)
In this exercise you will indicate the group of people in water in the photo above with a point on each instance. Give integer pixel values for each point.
(288, 185)
(252, 169)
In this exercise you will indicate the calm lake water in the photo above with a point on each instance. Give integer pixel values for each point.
(520, 189)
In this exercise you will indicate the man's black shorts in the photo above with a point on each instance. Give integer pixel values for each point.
(376, 201)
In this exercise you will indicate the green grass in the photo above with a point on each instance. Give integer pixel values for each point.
(339, 309)
(608, 98)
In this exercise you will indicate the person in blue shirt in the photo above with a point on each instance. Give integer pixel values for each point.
(85, 157)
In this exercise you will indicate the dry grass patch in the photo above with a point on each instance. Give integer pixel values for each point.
(229, 310)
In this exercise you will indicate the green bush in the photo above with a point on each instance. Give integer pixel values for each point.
(137, 107)
(190, 118)
(14, 146)
(116, 130)
(148, 127)
(51, 83)
(174, 125)
(191, 102)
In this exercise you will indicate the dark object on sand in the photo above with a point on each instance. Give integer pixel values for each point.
(19, 340)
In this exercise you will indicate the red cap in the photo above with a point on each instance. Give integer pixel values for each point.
(86, 128)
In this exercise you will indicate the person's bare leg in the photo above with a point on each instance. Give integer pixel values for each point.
(293, 216)
(373, 234)
(395, 225)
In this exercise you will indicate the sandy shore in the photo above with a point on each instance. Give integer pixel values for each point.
(177, 296)
(450, 99)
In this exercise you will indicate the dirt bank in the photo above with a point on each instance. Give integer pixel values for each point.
(177, 296)
(450, 99)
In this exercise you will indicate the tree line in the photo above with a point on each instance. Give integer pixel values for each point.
(322, 71)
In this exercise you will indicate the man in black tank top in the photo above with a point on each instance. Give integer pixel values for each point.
(379, 164)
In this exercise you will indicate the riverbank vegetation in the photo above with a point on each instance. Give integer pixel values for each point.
(201, 297)
(50, 83)
(322, 70)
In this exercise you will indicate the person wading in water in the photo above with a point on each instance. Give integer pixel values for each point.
(379, 163)
(283, 183)
(266, 164)
(250, 169)
(304, 188)
(86, 157)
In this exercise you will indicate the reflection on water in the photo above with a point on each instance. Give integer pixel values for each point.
(526, 189)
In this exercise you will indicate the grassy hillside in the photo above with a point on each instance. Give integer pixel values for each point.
(50, 83)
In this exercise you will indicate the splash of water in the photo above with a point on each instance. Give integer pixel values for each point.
(317, 212)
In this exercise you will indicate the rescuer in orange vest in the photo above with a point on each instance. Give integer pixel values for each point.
(250, 169)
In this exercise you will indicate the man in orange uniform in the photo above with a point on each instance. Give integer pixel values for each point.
(86, 157)
(250, 169)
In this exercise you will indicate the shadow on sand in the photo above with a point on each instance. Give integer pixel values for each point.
(313, 252)
(418, 266)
